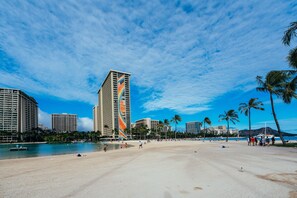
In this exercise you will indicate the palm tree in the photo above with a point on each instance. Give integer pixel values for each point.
(166, 123)
(274, 83)
(288, 35)
(288, 90)
(230, 115)
(246, 109)
(160, 126)
(208, 121)
(106, 127)
(176, 119)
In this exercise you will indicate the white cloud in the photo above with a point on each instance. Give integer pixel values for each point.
(44, 118)
(275, 101)
(85, 124)
(182, 59)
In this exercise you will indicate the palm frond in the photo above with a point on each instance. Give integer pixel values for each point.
(262, 89)
(207, 120)
(292, 58)
(260, 80)
(289, 33)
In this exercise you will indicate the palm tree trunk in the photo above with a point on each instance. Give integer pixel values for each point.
(175, 132)
(227, 130)
(204, 130)
(250, 122)
(275, 119)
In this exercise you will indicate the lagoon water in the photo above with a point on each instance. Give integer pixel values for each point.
(36, 150)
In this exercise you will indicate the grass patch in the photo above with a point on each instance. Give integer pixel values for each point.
(293, 144)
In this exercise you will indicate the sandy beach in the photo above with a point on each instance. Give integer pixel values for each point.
(160, 169)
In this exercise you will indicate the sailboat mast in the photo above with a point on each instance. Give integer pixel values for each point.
(265, 130)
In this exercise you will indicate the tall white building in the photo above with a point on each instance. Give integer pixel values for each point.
(64, 122)
(18, 111)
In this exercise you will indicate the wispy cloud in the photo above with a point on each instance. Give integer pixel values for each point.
(183, 55)
(275, 101)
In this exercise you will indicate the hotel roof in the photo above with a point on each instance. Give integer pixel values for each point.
(109, 74)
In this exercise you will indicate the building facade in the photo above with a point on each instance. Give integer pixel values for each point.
(96, 118)
(147, 122)
(18, 111)
(113, 113)
(64, 122)
(193, 127)
(151, 124)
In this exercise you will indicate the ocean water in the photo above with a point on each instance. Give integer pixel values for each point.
(36, 150)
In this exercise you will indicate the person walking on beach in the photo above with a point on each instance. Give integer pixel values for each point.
(267, 140)
(272, 140)
(105, 147)
(263, 140)
(249, 141)
(256, 141)
(253, 141)
(140, 144)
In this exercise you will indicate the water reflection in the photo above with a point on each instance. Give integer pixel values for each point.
(36, 150)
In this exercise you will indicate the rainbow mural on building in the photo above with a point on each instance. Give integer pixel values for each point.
(122, 105)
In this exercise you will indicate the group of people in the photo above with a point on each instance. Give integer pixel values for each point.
(262, 142)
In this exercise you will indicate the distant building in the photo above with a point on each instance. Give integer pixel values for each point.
(154, 124)
(64, 122)
(96, 118)
(113, 113)
(151, 124)
(166, 128)
(193, 127)
(18, 111)
(219, 130)
(144, 122)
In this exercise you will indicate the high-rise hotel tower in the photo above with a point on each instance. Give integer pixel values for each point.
(112, 115)
(64, 122)
(18, 111)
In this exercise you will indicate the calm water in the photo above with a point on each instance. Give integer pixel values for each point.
(36, 150)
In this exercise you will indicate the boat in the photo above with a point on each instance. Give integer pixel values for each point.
(17, 148)
(263, 135)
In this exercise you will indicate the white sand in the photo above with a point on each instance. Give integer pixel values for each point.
(160, 169)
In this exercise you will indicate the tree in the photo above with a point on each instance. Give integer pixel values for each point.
(230, 115)
(274, 83)
(288, 36)
(105, 128)
(176, 119)
(246, 109)
(208, 121)
(160, 126)
(166, 123)
(288, 90)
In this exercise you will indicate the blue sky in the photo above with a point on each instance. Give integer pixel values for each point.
(192, 58)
